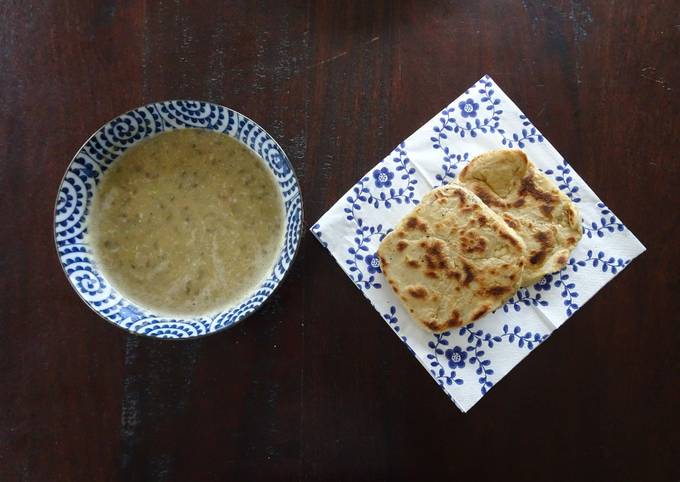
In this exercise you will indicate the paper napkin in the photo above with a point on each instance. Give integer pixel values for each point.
(468, 361)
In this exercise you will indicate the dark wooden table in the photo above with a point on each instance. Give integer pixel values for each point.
(315, 386)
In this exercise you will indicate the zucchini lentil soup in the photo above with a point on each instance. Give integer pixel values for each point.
(187, 223)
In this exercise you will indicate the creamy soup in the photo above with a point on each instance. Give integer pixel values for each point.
(187, 222)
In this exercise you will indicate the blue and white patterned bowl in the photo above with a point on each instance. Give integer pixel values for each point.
(94, 158)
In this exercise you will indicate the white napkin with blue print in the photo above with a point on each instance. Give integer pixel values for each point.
(468, 361)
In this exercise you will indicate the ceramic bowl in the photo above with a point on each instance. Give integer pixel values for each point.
(96, 156)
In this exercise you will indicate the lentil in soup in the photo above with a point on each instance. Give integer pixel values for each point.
(187, 222)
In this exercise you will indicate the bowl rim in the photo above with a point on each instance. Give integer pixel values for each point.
(247, 315)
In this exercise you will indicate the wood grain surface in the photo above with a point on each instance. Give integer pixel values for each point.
(315, 386)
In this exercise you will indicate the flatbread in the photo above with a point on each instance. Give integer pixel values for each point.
(531, 204)
(452, 259)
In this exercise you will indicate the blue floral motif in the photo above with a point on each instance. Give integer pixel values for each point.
(608, 223)
(316, 230)
(372, 263)
(449, 123)
(523, 298)
(383, 177)
(456, 357)
(568, 293)
(393, 321)
(361, 193)
(450, 166)
(477, 338)
(530, 136)
(468, 108)
(358, 252)
(474, 353)
(436, 368)
(362, 265)
(606, 264)
(544, 284)
(565, 181)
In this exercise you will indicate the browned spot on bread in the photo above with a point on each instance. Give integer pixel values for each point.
(486, 197)
(431, 274)
(482, 220)
(480, 312)
(528, 187)
(461, 196)
(431, 324)
(512, 277)
(571, 240)
(537, 257)
(419, 292)
(412, 263)
(401, 234)
(542, 237)
(510, 221)
(561, 259)
(434, 256)
(383, 261)
(519, 203)
(430, 262)
(401, 245)
(469, 275)
(441, 200)
(414, 223)
(571, 215)
(471, 243)
(434, 248)
(453, 274)
(454, 320)
(497, 291)
(546, 209)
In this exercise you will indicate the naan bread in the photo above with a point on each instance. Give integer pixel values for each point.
(531, 204)
(452, 259)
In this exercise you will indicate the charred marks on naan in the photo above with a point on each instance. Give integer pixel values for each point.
(469, 275)
(434, 256)
(471, 243)
(497, 291)
(480, 312)
(548, 200)
(415, 223)
(488, 197)
(538, 257)
(417, 291)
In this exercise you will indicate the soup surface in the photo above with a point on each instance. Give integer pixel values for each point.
(187, 222)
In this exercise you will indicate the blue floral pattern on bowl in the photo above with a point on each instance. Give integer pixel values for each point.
(96, 156)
